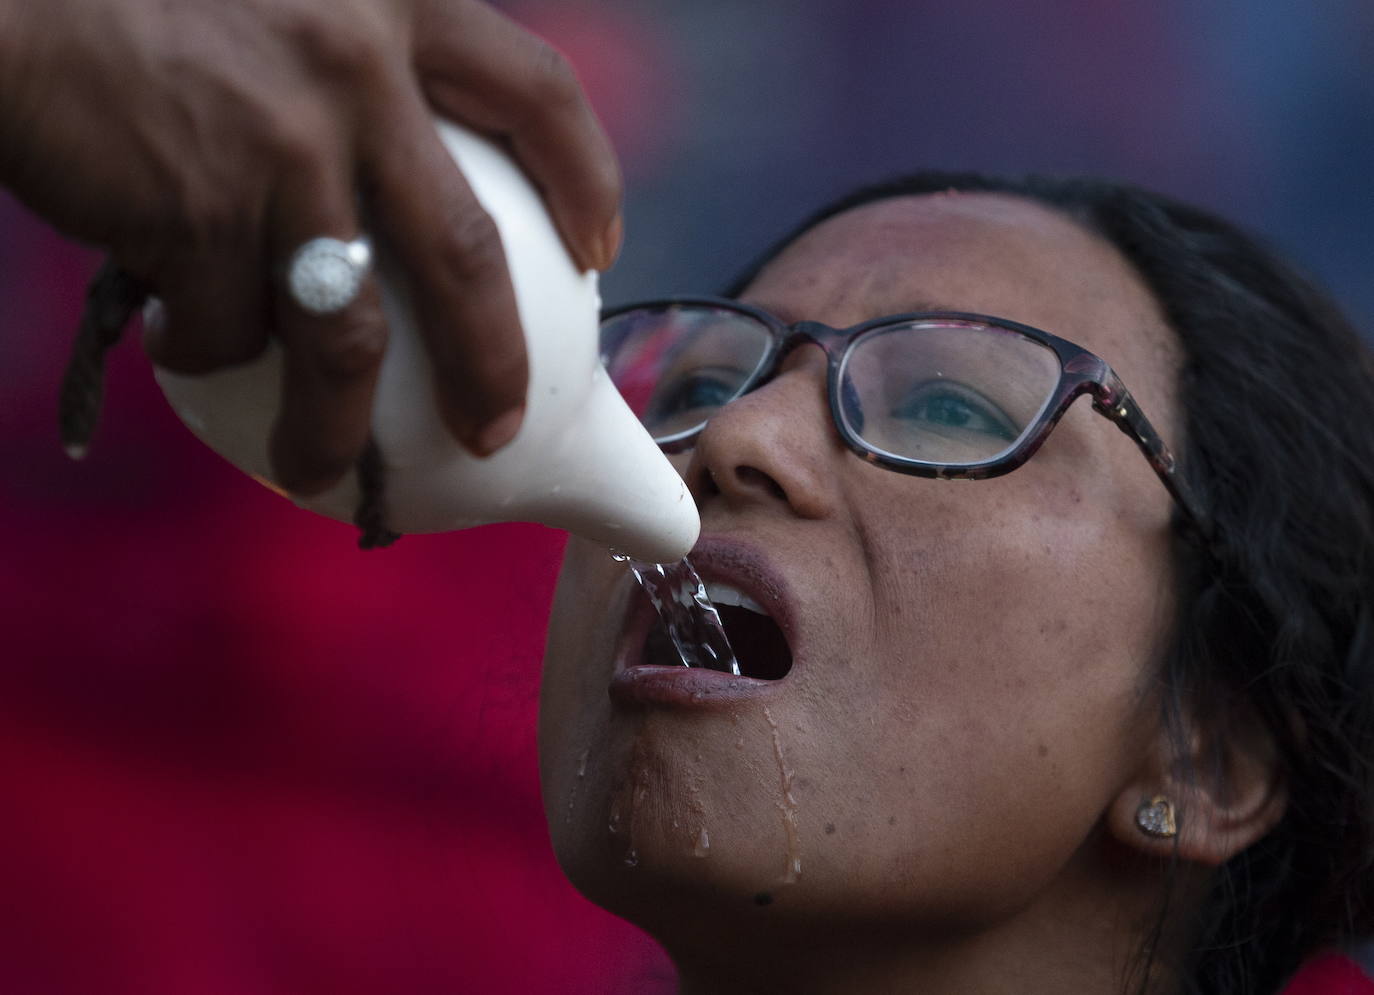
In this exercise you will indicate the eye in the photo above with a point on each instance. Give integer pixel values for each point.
(704, 388)
(946, 407)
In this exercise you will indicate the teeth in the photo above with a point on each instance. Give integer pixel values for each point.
(724, 594)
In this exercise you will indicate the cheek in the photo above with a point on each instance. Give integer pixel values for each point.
(1035, 577)
(1016, 607)
(994, 710)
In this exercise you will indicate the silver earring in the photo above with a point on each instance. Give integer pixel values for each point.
(1156, 818)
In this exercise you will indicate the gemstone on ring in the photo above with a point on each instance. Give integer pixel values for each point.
(325, 274)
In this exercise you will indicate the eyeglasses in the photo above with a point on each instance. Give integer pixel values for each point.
(935, 394)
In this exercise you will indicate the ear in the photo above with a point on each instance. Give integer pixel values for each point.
(1224, 791)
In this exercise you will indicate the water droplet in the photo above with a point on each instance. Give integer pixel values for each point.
(582, 764)
(703, 844)
(690, 619)
(787, 805)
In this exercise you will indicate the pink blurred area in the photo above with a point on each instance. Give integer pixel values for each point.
(239, 755)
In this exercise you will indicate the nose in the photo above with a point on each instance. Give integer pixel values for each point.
(776, 446)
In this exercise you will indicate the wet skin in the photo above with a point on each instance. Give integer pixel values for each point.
(971, 691)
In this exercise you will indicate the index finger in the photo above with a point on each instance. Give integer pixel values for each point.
(481, 68)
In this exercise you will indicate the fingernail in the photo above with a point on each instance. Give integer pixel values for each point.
(154, 315)
(154, 326)
(609, 246)
(498, 432)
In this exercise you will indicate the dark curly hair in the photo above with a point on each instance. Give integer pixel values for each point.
(1275, 612)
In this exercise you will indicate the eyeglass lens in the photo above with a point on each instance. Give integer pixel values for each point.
(938, 391)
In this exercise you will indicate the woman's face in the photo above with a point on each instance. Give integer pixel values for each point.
(969, 686)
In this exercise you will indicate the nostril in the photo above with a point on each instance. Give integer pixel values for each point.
(706, 485)
(748, 476)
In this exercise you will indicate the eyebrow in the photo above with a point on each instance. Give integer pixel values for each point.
(790, 317)
(927, 306)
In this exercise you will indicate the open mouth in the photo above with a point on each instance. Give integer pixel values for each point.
(760, 647)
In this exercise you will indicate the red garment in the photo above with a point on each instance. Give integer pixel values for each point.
(1330, 974)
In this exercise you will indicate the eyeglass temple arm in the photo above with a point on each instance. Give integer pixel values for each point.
(1115, 402)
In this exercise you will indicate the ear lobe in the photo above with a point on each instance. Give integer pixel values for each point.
(1225, 795)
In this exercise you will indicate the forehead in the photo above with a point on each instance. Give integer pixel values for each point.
(989, 253)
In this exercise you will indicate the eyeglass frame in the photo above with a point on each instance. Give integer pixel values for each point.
(1080, 372)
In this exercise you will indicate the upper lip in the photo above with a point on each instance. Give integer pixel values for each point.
(728, 560)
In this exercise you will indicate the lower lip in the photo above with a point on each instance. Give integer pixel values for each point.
(683, 687)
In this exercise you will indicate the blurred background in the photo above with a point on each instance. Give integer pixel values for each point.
(237, 755)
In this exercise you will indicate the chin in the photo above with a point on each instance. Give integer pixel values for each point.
(670, 818)
(663, 785)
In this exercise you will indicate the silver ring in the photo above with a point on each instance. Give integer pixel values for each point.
(325, 274)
